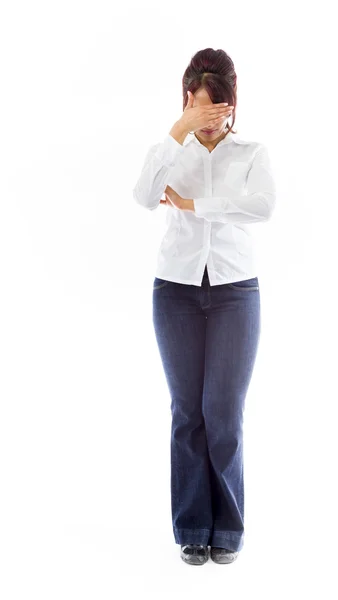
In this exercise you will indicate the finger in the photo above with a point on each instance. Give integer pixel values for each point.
(218, 111)
(217, 106)
(213, 119)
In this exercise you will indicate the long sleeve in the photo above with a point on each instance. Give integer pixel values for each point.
(156, 171)
(256, 205)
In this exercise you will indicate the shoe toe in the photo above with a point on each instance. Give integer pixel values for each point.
(194, 554)
(223, 555)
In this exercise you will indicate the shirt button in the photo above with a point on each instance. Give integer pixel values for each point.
(172, 164)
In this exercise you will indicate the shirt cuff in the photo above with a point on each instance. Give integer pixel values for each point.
(206, 207)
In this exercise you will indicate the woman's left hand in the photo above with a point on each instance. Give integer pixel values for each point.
(172, 198)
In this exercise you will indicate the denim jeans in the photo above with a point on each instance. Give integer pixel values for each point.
(208, 339)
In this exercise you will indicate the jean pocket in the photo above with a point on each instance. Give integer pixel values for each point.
(159, 283)
(247, 285)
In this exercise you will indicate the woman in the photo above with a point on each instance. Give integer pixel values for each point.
(206, 301)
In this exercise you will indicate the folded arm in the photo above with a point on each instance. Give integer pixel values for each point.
(257, 204)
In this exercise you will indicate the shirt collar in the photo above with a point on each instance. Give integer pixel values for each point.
(230, 137)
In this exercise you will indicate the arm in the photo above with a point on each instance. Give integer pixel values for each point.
(158, 163)
(254, 206)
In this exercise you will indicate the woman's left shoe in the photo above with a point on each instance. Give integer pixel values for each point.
(222, 556)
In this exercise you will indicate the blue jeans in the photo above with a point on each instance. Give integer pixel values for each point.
(207, 339)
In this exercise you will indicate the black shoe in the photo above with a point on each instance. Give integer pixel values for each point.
(194, 554)
(222, 556)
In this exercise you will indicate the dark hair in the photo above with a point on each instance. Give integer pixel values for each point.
(212, 70)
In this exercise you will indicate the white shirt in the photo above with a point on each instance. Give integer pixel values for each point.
(233, 187)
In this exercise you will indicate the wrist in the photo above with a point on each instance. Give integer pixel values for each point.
(188, 204)
(178, 132)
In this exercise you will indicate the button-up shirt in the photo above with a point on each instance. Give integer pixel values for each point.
(232, 187)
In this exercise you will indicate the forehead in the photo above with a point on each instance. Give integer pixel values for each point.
(201, 96)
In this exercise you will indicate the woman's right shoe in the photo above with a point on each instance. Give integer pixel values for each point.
(194, 554)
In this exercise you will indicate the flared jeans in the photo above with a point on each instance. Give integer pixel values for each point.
(208, 339)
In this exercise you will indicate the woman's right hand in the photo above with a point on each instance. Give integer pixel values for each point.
(200, 117)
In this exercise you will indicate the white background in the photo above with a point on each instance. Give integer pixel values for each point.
(85, 417)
